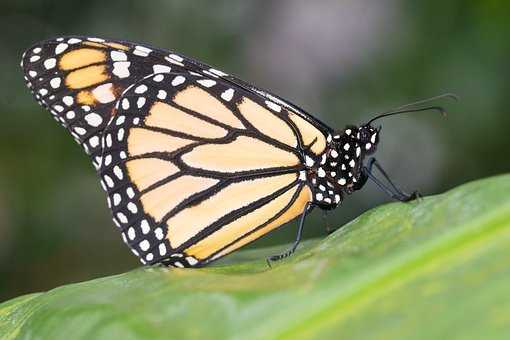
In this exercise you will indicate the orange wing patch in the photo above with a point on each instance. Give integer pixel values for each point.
(81, 57)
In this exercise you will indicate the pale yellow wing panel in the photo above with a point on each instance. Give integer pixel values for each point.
(143, 141)
(242, 154)
(310, 134)
(239, 227)
(145, 172)
(267, 122)
(195, 218)
(292, 212)
(161, 200)
(200, 101)
(165, 116)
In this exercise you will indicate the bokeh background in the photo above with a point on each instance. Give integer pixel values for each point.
(342, 61)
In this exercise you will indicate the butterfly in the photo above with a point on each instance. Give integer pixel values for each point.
(195, 162)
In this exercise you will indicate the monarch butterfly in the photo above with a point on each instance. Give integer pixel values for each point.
(195, 162)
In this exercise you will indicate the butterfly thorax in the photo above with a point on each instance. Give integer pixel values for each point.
(338, 171)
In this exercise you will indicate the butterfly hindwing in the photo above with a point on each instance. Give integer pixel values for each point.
(193, 170)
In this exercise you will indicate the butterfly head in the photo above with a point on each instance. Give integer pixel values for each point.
(353, 145)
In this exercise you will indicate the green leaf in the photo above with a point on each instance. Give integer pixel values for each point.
(437, 268)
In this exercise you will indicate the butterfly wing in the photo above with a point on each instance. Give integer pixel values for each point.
(195, 168)
(196, 163)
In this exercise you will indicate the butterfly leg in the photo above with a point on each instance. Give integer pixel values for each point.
(393, 191)
(292, 249)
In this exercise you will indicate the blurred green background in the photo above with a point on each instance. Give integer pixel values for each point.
(342, 61)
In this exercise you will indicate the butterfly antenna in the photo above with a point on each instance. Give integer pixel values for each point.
(409, 107)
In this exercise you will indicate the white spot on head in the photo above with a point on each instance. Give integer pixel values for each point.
(178, 80)
(61, 48)
(352, 163)
(347, 146)
(368, 146)
(227, 95)
(348, 132)
(337, 198)
(342, 181)
(161, 69)
(358, 151)
(334, 153)
(372, 139)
